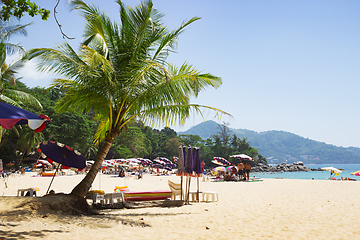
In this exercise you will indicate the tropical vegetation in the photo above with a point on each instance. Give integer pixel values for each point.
(121, 75)
(8, 79)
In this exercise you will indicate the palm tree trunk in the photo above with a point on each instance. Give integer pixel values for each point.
(83, 187)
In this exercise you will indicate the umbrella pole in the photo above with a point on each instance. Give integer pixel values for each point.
(185, 199)
(188, 193)
(181, 182)
(197, 194)
(53, 178)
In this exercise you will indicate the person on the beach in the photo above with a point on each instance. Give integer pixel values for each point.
(140, 172)
(233, 171)
(240, 167)
(247, 168)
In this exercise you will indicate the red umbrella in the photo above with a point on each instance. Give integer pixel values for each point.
(11, 115)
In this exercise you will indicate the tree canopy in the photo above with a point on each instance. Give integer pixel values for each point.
(18, 8)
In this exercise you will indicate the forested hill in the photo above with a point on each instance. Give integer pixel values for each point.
(280, 146)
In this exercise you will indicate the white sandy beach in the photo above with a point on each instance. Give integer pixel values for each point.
(271, 209)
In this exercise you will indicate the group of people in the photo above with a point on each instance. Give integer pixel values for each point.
(239, 173)
(243, 171)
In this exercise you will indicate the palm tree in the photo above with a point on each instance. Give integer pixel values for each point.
(8, 72)
(121, 75)
(28, 142)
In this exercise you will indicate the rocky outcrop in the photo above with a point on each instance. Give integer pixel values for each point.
(283, 167)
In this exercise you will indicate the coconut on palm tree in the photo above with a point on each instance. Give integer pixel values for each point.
(121, 75)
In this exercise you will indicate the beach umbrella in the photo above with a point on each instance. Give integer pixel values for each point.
(43, 163)
(168, 169)
(176, 160)
(332, 170)
(159, 161)
(181, 168)
(11, 115)
(197, 168)
(145, 162)
(188, 172)
(133, 160)
(189, 160)
(230, 167)
(184, 154)
(157, 165)
(357, 173)
(63, 155)
(335, 170)
(219, 169)
(221, 161)
(164, 159)
(170, 165)
(243, 157)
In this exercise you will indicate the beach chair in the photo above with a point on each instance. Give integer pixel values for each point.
(96, 195)
(30, 192)
(175, 189)
(146, 196)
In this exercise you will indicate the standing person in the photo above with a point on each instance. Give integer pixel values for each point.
(240, 167)
(247, 168)
(140, 171)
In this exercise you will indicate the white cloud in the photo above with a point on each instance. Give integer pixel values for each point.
(29, 74)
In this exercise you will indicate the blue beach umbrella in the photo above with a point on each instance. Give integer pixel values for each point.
(63, 155)
(11, 115)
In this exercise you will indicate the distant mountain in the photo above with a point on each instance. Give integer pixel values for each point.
(280, 146)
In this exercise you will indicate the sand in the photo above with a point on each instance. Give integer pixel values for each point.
(271, 209)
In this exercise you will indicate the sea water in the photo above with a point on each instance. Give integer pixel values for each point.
(346, 169)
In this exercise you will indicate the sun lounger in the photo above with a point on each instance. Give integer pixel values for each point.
(175, 189)
(43, 174)
(147, 196)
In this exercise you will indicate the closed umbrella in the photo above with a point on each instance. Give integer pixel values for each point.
(188, 162)
(197, 169)
(188, 172)
(181, 168)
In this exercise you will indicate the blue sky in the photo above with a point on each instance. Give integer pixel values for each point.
(285, 65)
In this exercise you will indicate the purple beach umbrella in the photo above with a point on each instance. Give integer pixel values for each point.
(188, 162)
(197, 163)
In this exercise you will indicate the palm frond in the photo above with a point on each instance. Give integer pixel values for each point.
(22, 98)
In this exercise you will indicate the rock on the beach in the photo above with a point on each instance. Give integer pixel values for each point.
(283, 167)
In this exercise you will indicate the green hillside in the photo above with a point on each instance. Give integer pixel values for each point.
(280, 146)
